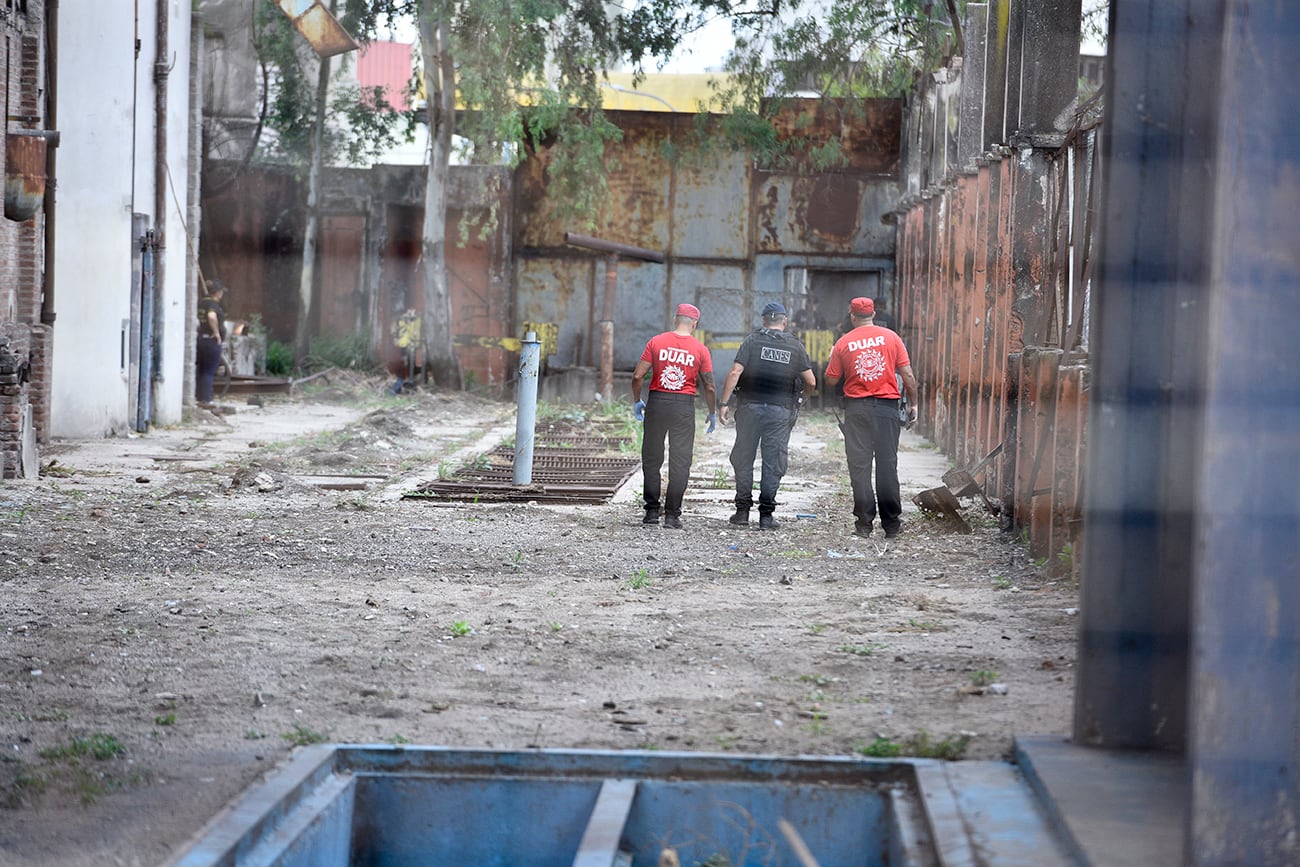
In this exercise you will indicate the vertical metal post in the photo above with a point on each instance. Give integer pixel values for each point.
(1244, 751)
(607, 328)
(530, 357)
(144, 385)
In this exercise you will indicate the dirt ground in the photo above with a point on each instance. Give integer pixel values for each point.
(180, 610)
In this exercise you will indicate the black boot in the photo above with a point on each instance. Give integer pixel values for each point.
(651, 516)
(767, 522)
(741, 518)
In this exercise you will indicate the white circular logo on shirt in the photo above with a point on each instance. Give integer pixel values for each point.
(672, 378)
(869, 365)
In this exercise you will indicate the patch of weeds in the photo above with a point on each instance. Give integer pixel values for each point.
(817, 725)
(15, 515)
(100, 747)
(1065, 557)
(640, 579)
(460, 628)
(727, 742)
(254, 735)
(796, 553)
(918, 746)
(861, 649)
(75, 496)
(1001, 582)
(24, 788)
(398, 740)
(817, 679)
(555, 625)
(165, 720)
(983, 677)
(517, 560)
(721, 478)
(302, 736)
(816, 628)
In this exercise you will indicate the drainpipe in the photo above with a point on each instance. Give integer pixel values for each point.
(161, 71)
(51, 123)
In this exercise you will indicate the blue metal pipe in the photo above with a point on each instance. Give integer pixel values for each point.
(144, 383)
(530, 356)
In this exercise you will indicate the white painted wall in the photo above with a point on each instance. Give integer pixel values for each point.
(105, 172)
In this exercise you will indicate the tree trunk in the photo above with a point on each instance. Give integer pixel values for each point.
(440, 91)
(307, 277)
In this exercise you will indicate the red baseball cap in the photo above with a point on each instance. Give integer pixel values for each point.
(862, 307)
(689, 310)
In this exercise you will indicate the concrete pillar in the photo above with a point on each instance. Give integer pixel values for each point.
(1049, 70)
(970, 133)
(995, 71)
(1245, 733)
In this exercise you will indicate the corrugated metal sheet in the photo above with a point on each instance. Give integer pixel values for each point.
(389, 65)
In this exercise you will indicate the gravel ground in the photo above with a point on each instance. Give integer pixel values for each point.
(183, 609)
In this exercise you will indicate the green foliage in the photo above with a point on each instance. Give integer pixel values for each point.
(460, 628)
(983, 677)
(302, 736)
(918, 745)
(361, 124)
(350, 352)
(100, 747)
(279, 359)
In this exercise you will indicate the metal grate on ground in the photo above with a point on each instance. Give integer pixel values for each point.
(567, 468)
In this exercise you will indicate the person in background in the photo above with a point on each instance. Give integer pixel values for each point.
(679, 365)
(883, 319)
(867, 359)
(211, 337)
(768, 378)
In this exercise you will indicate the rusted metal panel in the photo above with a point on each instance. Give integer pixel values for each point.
(869, 130)
(1043, 366)
(1067, 483)
(320, 28)
(24, 169)
(341, 309)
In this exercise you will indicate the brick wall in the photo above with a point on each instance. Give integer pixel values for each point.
(22, 247)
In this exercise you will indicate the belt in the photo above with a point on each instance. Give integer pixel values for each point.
(876, 399)
(208, 337)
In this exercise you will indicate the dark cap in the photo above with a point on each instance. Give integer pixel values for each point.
(862, 307)
(773, 309)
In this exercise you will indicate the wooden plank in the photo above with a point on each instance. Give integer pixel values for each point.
(600, 841)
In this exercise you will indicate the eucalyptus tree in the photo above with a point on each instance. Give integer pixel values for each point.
(504, 74)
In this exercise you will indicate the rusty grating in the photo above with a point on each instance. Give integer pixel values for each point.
(567, 468)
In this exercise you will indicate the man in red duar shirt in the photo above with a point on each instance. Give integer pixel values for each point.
(867, 359)
(678, 365)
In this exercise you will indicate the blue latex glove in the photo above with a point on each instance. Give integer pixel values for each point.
(638, 409)
(712, 419)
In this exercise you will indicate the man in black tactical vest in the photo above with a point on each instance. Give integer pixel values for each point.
(766, 384)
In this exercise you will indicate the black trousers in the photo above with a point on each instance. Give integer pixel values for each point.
(207, 358)
(871, 429)
(765, 426)
(671, 417)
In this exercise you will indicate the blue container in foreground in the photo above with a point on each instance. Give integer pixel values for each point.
(381, 806)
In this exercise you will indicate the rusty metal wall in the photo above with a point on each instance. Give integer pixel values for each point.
(252, 241)
(730, 230)
(992, 277)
